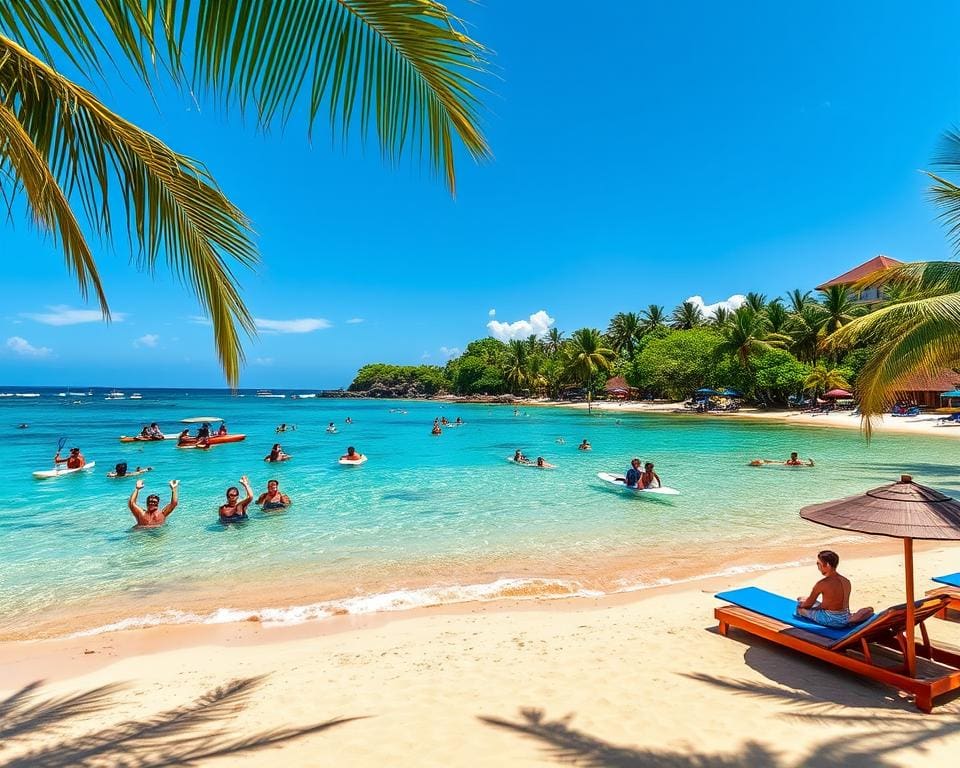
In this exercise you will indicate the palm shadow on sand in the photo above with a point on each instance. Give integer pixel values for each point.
(184, 735)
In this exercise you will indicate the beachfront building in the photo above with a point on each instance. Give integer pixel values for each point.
(924, 389)
(868, 295)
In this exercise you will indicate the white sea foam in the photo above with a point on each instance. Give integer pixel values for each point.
(399, 600)
(734, 570)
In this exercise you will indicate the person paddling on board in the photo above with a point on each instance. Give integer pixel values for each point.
(519, 458)
(236, 508)
(833, 607)
(74, 461)
(633, 474)
(543, 464)
(273, 498)
(351, 455)
(648, 476)
(153, 516)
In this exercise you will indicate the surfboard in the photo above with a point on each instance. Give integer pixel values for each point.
(621, 483)
(138, 439)
(348, 463)
(45, 474)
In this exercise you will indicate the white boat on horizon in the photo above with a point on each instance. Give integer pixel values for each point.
(302, 397)
(136, 396)
(267, 393)
(115, 395)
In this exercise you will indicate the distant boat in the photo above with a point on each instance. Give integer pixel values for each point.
(267, 393)
(301, 397)
(79, 394)
(27, 394)
(61, 394)
(115, 395)
(136, 396)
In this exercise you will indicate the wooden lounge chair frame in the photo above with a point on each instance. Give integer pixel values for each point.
(953, 599)
(877, 650)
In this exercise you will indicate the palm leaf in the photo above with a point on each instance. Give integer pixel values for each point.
(173, 206)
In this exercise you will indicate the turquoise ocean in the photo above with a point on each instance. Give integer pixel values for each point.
(427, 520)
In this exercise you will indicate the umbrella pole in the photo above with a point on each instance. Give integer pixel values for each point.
(911, 654)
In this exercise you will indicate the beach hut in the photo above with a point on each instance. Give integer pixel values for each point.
(903, 510)
(617, 387)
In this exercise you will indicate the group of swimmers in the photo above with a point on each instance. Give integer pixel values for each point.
(793, 461)
(235, 509)
(519, 458)
(443, 421)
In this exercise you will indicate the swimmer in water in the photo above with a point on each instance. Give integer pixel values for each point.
(519, 458)
(352, 455)
(273, 498)
(543, 464)
(236, 508)
(584, 446)
(153, 516)
(277, 454)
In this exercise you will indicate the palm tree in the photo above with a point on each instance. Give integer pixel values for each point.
(748, 334)
(624, 331)
(403, 67)
(756, 301)
(554, 340)
(686, 316)
(586, 356)
(798, 300)
(805, 329)
(777, 316)
(515, 370)
(652, 318)
(822, 379)
(536, 374)
(838, 307)
(721, 316)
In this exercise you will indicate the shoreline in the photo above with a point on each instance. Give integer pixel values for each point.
(512, 679)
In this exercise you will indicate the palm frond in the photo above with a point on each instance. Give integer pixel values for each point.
(173, 206)
(403, 66)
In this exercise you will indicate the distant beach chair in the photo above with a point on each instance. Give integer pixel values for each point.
(951, 591)
(872, 649)
(953, 418)
(911, 411)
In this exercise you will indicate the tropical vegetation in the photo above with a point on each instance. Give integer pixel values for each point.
(74, 166)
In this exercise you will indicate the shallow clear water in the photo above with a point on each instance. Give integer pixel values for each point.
(427, 519)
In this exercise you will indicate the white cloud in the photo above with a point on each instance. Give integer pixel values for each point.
(20, 346)
(147, 340)
(354, 321)
(425, 356)
(538, 324)
(61, 314)
(492, 313)
(449, 352)
(199, 320)
(301, 325)
(263, 361)
(732, 304)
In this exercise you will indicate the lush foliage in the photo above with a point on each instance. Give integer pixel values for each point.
(400, 379)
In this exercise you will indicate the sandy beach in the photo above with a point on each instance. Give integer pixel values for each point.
(627, 680)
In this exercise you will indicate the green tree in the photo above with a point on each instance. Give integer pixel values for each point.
(778, 318)
(798, 300)
(403, 67)
(822, 379)
(623, 332)
(686, 316)
(838, 308)
(515, 372)
(721, 316)
(554, 340)
(756, 301)
(748, 333)
(652, 318)
(586, 355)
(678, 363)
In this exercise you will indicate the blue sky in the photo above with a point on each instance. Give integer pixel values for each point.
(641, 156)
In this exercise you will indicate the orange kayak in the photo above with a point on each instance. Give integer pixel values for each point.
(213, 440)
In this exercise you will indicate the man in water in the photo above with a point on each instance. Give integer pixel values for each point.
(519, 458)
(796, 461)
(648, 476)
(584, 446)
(633, 474)
(74, 461)
(351, 455)
(833, 590)
(153, 516)
(273, 498)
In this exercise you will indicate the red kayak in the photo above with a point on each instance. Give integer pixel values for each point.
(191, 442)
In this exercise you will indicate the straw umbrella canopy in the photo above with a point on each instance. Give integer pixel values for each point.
(903, 510)
(838, 393)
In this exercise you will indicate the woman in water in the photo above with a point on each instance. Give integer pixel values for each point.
(584, 446)
(273, 498)
(519, 458)
(277, 454)
(236, 508)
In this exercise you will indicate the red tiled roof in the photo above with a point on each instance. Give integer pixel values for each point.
(937, 381)
(858, 273)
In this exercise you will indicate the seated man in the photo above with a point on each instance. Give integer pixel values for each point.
(519, 458)
(833, 607)
(633, 474)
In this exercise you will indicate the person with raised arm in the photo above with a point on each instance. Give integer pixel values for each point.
(153, 516)
(236, 508)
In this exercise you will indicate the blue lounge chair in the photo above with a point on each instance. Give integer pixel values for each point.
(873, 648)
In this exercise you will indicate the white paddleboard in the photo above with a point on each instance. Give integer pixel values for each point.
(357, 463)
(43, 474)
(621, 483)
(528, 464)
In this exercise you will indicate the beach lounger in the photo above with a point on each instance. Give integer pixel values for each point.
(951, 592)
(873, 649)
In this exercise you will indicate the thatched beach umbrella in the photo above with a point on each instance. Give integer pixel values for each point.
(902, 510)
